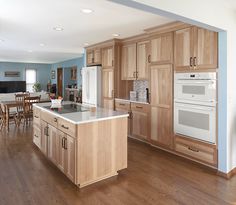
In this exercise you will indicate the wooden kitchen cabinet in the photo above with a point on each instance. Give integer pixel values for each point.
(139, 121)
(195, 49)
(52, 142)
(37, 136)
(162, 49)
(107, 57)
(108, 88)
(124, 106)
(143, 59)
(93, 56)
(44, 137)
(129, 62)
(161, 105)
(61, 151)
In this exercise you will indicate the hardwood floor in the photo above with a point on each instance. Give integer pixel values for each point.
(153, 177)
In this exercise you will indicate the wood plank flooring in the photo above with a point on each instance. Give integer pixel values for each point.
(153, 177)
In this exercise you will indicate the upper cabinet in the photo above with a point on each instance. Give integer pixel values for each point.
(135, 60)
(93, 56)
(107, 57)
(162, 48)
(129, 62)
(195, 49)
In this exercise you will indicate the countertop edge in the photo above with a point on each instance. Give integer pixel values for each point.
(82, 122)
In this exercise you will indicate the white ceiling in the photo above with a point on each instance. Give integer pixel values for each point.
(25, 24)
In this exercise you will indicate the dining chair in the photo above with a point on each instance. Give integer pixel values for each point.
(12, 116)
(27, 113)
(20, 97)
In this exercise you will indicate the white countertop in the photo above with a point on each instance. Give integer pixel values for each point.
(134, 100)
(84, 117)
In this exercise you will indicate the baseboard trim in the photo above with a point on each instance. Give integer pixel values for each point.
(227, 175)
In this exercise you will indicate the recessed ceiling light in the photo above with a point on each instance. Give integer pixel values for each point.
(87, 11)
(86, 44)
(42, 44)
(115, 34)
(58, 29)
(30, 51)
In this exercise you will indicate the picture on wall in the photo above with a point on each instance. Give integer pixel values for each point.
(53, 74)
(12, 74)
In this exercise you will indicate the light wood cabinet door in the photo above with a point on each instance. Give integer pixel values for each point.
(97, 56)
(161, 105)
(52, 143)
(107, 57)
(61, 151)
(162, 49)
(37, 136)
(205, 49)
(44, 137)
(161, 85)
(108, 83)
(183, 49)
(139, 125)
(161, 126)
(143, 59)
(70, 144)
(89, 54)
(129, 62)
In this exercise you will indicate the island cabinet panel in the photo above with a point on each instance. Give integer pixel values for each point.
(161, 105)
(52, 143)
(162, 48)
(70, 146)
(37, 136)
(106, 155)
(49, 118)
(67, 127)
(44, 137)
(61, 151)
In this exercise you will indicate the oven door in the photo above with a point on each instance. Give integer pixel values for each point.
(196, 90)
(195, 121)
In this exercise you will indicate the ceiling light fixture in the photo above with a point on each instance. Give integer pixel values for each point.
(42, 44)
(30, 51)
(115, 34)
(87, 11)
(58, 29)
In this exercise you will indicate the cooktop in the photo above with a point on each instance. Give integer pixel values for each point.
(68, 108)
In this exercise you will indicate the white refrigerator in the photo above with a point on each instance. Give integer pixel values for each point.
(91, 85)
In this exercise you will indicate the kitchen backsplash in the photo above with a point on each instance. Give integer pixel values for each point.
(140, 87)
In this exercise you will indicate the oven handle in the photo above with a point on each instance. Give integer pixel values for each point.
(195, 107)
(195, 82)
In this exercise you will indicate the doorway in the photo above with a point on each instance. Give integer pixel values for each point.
(59, 81)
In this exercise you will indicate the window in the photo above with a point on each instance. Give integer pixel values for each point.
(30, 79)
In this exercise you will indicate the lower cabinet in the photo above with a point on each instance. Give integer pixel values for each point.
(139, 119)
(37, 136)
(44, 137)
(52, 142)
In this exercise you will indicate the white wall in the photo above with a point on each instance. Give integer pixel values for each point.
(217, 15)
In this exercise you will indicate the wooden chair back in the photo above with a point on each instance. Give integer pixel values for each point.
(21, 98)
(28, 103)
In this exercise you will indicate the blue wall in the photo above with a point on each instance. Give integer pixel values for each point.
(43, 72)
(79, 62)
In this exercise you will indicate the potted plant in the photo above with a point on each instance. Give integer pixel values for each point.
(37, 87)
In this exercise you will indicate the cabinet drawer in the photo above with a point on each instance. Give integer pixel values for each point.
(139, 107)
(36, 117)
(198, 150)
(51, 119)
(67, 127)
(37, 136)
(122, 105)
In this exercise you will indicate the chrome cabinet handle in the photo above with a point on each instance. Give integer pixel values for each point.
(149, 58)
(36, 116)
(65, 143)
(195, 61)
(139, 107)
(36, 136)
(122, 104)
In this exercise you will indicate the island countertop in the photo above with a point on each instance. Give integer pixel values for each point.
(86, 116)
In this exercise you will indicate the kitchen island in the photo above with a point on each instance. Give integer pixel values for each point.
(86, 144)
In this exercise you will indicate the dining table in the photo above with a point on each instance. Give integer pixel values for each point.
(7, 105)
